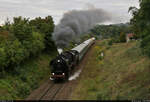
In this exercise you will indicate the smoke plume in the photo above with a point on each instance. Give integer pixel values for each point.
(74, 23)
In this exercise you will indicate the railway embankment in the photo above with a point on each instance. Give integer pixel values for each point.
(60, 90)
(117, 71)
(27, 77)
(121, 72)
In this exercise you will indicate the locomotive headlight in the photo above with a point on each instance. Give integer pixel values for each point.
(53, 73)
(63, 73)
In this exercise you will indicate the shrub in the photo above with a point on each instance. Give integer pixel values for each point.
(115, 40)
(20, 44)
(145, 44)
(33, 82)
(22, 40)
(37, 43)
(3, 58)
(100, 57)
(22, 89)
(15, 52)
(44, 26)
(122, 37)
(21, 29)
(103, 95)
(110, 42)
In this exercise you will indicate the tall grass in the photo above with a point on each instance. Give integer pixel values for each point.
(122, 74)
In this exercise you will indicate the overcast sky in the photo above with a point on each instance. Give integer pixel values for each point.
(56, 8)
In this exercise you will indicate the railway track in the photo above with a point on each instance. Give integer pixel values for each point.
(51, 86)
(52, 92)
(47, 91)
(56, 91)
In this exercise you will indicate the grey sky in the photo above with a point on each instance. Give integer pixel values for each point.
(56, 8)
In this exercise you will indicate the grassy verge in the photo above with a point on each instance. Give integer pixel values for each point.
(26, 77)
(123, 73)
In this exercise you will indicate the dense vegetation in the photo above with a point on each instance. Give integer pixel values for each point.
(26, 77)
(24, 39)
(141, 24)
(122, 74)
(26, 49)
(117, 32)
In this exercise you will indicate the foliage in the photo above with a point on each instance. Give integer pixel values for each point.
(15, 52)
(2, 58)
(123, 74)
(115, 40)
(145, 43)
(141, 24)
(21, 40)
(110, 42)
(110, 31)
(26, 77)
(44, 26)
(20, 45)
(122, 37)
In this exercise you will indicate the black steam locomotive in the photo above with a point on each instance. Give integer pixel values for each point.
(63, 64)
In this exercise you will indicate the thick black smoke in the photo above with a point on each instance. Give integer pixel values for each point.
(75, 23)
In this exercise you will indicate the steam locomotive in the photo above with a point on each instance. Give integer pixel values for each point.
(64, 63)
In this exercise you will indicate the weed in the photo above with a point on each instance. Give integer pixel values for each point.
(122, 74)
(26, 77)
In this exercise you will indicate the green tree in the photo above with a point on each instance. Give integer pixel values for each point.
(3, 59)
(111, 31)
(18, 43)
(15, 52)
(46, 27)
(23, 39)
(122, 37)
(141, 24)
(37, 43)
(21, 29)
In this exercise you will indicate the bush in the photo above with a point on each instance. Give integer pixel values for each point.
(115, 40)
(141, 26)
(22, 89)
(15, 52)
(103, 95)
(21, 29)
(100, 57)
(3, 58)
(110, 42)
(122, 37)
(145, 43)
(3, 61)
(33, 82)
(37, 43)
(44, 26)
(20, 44)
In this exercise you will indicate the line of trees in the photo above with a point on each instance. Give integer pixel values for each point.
(23, 39)
(116, 32)
(141, 24)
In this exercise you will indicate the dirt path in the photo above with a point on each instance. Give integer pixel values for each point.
(58, 91)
